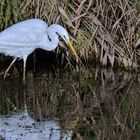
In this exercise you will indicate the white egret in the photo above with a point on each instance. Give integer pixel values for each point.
(22, 38)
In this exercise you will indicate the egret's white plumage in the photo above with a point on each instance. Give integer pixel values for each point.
(24, 37)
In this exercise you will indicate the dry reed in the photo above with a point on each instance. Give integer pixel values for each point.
(106, 30)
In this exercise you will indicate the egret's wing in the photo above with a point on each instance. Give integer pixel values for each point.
(24, 33)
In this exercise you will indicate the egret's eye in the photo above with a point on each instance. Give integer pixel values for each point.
(65, 38)
(57, 34)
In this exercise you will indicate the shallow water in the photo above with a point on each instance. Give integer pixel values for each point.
(88, 104)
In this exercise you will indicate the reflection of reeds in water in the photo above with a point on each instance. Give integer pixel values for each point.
(102, 106)
(107, 29)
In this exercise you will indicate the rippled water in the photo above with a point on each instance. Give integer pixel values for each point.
(88, 104)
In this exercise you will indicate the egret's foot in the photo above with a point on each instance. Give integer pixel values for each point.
(5, 74)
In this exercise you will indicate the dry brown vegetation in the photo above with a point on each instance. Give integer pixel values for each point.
(102, 28)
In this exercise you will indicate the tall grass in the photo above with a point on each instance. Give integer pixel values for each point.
(102, 29)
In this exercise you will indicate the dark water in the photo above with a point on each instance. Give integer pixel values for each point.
(92, 104)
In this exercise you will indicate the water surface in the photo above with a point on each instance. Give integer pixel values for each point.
(88, 104)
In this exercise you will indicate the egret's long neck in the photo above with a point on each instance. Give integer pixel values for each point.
(50, 40)
(53, 39)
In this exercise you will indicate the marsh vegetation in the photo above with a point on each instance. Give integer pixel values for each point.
(90, 102)
(107, 31)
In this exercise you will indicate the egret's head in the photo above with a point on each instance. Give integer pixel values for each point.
(61, 31)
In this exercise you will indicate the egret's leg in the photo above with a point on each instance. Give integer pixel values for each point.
(9, 67)
(24, 69)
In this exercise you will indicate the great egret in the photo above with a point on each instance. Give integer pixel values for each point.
(24, 37)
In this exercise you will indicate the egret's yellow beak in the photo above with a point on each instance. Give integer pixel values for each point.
(72, 49)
